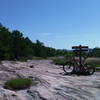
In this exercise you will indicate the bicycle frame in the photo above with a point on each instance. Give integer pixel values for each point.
(76, 63)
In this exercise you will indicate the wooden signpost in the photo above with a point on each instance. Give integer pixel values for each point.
(80, 49)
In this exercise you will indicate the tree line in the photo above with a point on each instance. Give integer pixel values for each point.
(95, 52)
(13, 45)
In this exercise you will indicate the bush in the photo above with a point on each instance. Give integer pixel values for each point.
(37, 58)
(93, 61)
(17, 84)
(60, 61)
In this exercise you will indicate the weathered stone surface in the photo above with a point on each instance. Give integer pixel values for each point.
(52, 83)
(9, 95)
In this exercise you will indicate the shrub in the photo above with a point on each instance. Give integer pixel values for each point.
(93, 61)
(60, 61)
(37, 58)
(17, 84)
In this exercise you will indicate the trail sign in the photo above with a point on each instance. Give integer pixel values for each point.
(80, 46)
(80, 49)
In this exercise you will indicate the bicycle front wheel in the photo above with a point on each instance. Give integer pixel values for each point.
(68, 69)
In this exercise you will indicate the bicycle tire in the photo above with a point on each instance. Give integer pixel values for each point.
(91, 70)
(68, 69)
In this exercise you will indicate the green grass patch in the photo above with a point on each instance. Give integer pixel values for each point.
(18, 84)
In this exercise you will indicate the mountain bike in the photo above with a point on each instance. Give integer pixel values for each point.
(74, 67)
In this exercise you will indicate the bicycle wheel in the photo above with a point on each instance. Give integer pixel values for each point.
(90, 69)
(68, 69)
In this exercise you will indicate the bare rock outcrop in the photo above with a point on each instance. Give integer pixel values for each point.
(52, 83)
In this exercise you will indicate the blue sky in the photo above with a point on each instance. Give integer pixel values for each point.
(56, 23)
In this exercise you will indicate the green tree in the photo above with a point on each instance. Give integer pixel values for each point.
(5, 42)
(13, 45)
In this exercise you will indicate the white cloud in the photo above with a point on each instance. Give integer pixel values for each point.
(45, 34)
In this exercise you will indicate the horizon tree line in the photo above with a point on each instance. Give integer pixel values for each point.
(13, 45)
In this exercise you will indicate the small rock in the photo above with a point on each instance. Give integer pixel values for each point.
(31, 66)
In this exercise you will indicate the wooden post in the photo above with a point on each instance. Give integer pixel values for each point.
(80, 49)
(80, 55)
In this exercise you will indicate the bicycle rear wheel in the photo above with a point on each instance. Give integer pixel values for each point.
(89, 69)
(68, 69)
